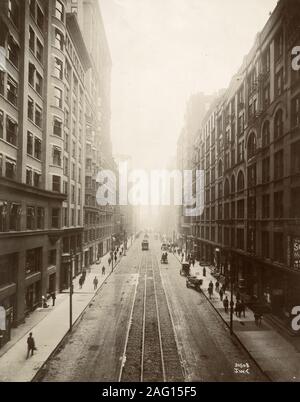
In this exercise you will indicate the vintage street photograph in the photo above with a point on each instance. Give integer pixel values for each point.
(149, 193)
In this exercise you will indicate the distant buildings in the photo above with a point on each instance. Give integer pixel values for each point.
(248, 145)
(54, 138)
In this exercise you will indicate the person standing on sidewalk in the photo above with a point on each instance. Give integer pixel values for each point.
(204, 271)
(103, 270)
(95, 282)
(210, 291)
(217, 286)
(53, 296)
(30, 345)
(243, 308)
(225, 304)
(221, 293)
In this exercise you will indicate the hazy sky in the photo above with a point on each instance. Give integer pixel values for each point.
(162, 52)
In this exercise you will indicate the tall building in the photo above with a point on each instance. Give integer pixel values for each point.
(249, 147)
(54, 137)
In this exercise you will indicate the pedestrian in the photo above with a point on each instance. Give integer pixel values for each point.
(103, 270)
(53, 296)
(225, 304)
(257, 318)
(210, 291)
(109, 261)
(204, 271)
(237, 309)
(193, 262)
(217, 286)
(95, 282)
(221, 293)
(238, 296)
(243, 308)
(211, 285)
(223, 288)
(44, 302)
(116, 257)
(30, 345)
(80, 282)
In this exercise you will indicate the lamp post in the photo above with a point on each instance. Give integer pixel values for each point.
(112, 253)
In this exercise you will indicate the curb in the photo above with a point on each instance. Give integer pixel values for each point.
(39, 375)
(234, 334)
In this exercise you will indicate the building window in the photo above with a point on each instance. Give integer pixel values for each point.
(279, 83)
(240, 239)
(56, 183)
(265, 244)
(56, 156)
(33, 261)
(295, 112)
(59, 39)
(29, 176)
(73, 194)
(278, 247)
(10, 168)
(266, 206)
(278, 122)
(240, 156)
(240, 181)
(278, 205)
(58, 98)
(295, 158)
(40, 18)
(31, 40)
(240, 209)
(1, 123)
(55, 218)
(278, 45)
(52, 257)
(38, 116)
(13, 51)
(13, 12)
(251, 208)
(251, 148)
(30, 218)
(11, 131)
(40, 218)
(2, 75)
(59, 10)
(39, 51)
(266, 134)
(57, 127)
(14, 217)
(295, 203)
(29, 143)
(30, 108)
(37, 148)
(39, 84)
(252, 175)
(36, 179)
(266, 170)
(251, 241)
(32, 8)
(278, 165)
(58, 68)
(12, 91)
(31, 71)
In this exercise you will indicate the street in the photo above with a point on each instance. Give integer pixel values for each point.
(174, 335)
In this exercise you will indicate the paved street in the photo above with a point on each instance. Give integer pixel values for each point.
(175, 333)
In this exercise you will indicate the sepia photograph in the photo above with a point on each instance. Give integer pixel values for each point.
(149, 194)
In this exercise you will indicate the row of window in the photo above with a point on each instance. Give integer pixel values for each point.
(8, 129)
(10, 89)
(97, 234)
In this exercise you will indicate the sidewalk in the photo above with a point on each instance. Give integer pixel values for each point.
(278, 358)
(48, 326)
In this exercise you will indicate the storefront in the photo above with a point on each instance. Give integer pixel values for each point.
(32, 296)
(8, 315)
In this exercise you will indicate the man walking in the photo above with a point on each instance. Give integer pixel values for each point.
(95, 282)
(221, 293)
(53, 296)
(225, 304)
(30, 345)
(103, 270)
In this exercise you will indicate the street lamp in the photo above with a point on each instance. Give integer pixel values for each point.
(112, 253)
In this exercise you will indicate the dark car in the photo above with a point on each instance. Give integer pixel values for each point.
(194, 282)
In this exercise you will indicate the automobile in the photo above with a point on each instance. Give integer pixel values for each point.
(185, 269)
(194, 282)
(164, 258)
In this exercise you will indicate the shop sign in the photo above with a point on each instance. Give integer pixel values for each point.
(296, 253)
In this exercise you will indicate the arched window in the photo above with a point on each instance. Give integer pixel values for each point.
(278, 124)
(266, 134)
(251, 146)
(232, 184)
(240, 181)
(226, 188)
(220, 169)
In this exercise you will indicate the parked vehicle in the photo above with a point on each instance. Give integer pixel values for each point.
(194, 282)
(185, 269)
(145, 245)
(164, 258)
